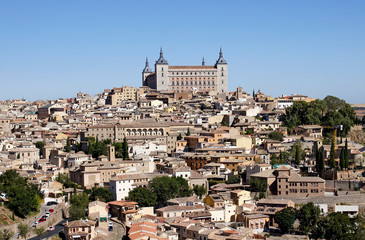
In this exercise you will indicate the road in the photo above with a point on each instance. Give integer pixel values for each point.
(58, 228)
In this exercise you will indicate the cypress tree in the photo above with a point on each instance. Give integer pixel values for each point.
(125, 149)
(346, 155)
(342, 159)
(297, 155)
(188, 132)
(320, 160)
(331, 161)
(68, 145)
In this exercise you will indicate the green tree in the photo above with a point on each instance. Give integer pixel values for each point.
(233, 179)
(331, 161)
(200, 190)
(276, 136)
(23, 230)
(330, 111)
(308, 216)
(6, 234)
(286, 218)
(346, 155)
(144, 196)
(65, 180)
(167, 188)
(188, 132)
(40, 145)
(101, 193)
(125, 149)
(68, 145)
(40, 231)
(342, 160)
(337, 226)
(179, 137)
(249, 132)
(24, 197)
(320, 163)
(79, 203)
(258, 185)
(297, 155)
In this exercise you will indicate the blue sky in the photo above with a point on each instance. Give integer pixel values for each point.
(53, 49)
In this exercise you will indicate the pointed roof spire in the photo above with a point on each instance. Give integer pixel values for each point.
(161, 60)
(221, 60)
(147, 67)
(203, 62)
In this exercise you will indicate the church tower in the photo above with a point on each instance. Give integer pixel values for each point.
(222, 78)
(162, 73)
(145, 73)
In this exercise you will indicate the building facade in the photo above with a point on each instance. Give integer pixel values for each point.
(187, 78)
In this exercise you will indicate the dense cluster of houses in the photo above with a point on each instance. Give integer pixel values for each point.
(203, 137)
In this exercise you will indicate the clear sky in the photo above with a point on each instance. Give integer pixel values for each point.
(52, 49)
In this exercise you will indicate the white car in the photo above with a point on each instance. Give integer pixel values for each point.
(50, 229)
(47, 214)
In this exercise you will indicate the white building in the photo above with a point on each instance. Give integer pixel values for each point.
(121, 185)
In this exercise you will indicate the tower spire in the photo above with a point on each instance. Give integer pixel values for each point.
(147, 67)
(203, 62)
(161, 60)
(221, 60)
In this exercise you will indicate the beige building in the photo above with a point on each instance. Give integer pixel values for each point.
(80, 229)
(187, 78)
(119, 95)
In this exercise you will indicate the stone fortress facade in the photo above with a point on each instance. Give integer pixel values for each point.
(187, 78)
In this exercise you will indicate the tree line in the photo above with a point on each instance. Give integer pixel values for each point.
(330, 111)
(162, 189)
(333, 226)
(24, 197)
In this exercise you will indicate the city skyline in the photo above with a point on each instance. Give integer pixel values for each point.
(54, 50)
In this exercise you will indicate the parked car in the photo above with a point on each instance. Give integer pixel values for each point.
(47, 214)
(52, 203)
(41, 220)
(110, 226)
(50, 210)
(35, 224)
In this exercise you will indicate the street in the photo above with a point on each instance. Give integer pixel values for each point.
(58, 228)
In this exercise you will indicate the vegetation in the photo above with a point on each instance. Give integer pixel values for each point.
(24, 197)
(144, 196)
(79, 203)
(233, 179)
(65, 180)
(200, 190)
(339, 226)
(286, 218)
(276, 136)
(121, 149)
(258, 185)
(297, 152)
(167, 188)
(188, 132)
(97, 148)
(68, 145)
(179, 137)
(330, 111)
(331, 160)
(6, 234)
(23, 230)
(249, 132)
(103, 194)
(40, 231)
(308, 215)
(40, 145)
